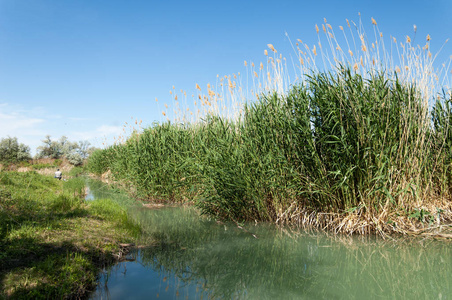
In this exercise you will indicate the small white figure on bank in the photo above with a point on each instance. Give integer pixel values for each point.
(58, 174)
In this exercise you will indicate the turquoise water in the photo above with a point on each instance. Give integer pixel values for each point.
(199, 258)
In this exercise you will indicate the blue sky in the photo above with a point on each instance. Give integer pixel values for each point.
(84, 68)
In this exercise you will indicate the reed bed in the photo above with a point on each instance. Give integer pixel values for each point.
(359, 142)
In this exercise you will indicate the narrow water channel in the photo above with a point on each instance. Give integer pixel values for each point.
(199, 258)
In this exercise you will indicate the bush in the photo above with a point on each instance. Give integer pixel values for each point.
(98, 162)
(75, 158)
(12, 152)
(74, 152)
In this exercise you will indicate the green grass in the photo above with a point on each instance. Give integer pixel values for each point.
(56, 163)
(76, 171)
(52, 242)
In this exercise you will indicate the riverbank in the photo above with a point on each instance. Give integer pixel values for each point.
(53, 242)
(429, 219)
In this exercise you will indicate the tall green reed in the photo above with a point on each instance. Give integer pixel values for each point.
(360, 131)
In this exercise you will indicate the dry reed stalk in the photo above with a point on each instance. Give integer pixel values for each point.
(365, 223)
(366, 55)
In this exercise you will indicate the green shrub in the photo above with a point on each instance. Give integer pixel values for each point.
(98, 162)
(76, 171)
(11, 151)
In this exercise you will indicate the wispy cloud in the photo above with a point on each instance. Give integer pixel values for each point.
(109, 129)
(79, 119)
(31, 126)
(10, 124)
(102, 135)
(17, 123)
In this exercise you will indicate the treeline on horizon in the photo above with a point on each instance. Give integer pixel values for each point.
(13, 152)
(367, 150)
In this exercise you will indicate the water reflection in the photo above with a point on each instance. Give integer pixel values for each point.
(199, 258)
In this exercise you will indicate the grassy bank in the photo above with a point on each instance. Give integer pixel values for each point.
(359, 143)
(52, 242)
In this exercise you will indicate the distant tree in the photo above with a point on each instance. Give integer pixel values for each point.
(68, 146)
(83, 148)
(74, 152)
(49, 149)
(12, 151)
(55, 149)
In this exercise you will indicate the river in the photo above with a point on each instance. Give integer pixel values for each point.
(199, 258)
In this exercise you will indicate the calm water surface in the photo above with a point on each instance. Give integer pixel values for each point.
(202, 259)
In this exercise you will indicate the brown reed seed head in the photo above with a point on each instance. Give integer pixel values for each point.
(408, 39)
(265, 52)
(373, 21)
(271, 47)
(428, 37)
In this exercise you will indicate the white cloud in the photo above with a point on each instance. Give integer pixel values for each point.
(100, 136)
(79, 119)
(31, 126)
(13, 123)
(26, 129)
(109, 130)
